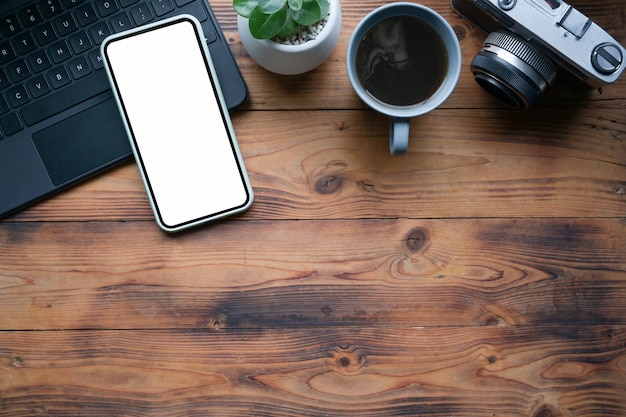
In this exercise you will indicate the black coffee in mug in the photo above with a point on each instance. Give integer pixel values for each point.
(401, 61)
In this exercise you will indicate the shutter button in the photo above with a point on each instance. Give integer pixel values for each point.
(607, 58)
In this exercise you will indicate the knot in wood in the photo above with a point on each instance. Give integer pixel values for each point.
(461, 31)
(349, 361)
(329, 184)
(491, 319)
(417, 239)
(545, 411)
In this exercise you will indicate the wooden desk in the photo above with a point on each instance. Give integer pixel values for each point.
(482, 274)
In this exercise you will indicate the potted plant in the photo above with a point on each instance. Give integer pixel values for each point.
(288, 36)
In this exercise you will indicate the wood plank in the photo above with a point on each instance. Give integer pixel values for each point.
(458, 371)
(341, 273)
(335, 164)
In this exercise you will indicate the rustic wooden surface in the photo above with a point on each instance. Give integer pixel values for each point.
(482, 274)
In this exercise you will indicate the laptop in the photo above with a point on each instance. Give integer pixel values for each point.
(59, 123)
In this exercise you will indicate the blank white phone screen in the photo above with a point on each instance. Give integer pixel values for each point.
(177, 124)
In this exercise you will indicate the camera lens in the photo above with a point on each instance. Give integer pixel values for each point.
(512, 70)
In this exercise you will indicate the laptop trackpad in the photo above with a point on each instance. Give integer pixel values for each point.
(91, 139)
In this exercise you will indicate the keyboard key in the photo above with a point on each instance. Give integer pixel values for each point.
(4, 80)
(96, 59)
(7, 53)
(80, 42)
(182, 2)
(162, 7)
(121, 22)
(99, 32)
(9, 25)
(39, 61)
(18, 96)
(30, 16)
(71, 3)
(18, 70)
(126, 3)
(196, 9)
(4, 106)
(38, 86)
(59, 77)
(141, 14)
(65, 98)
(210, 37)
(11, 124)
(45, 34)
(79, 67)
(59, 51)
(106, 7)
(50, 7)
(86, 14)
(24, 43)
(65, 24)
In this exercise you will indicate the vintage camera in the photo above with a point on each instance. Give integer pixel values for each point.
(533, 43)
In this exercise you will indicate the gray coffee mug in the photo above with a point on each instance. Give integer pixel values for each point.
(399, 115)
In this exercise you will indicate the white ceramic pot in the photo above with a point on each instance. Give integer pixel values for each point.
(293, 59)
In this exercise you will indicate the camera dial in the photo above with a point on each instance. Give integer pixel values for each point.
(512, 70)
(607, 58)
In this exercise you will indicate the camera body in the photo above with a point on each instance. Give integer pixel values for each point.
(532, 44)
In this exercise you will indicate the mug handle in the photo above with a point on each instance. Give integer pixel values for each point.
(398, 135)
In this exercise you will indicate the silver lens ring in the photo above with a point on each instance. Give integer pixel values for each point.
(512, 70)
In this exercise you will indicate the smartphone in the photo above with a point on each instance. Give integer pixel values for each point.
(177, 122)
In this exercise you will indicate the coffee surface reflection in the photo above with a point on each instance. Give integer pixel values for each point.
(401, 61)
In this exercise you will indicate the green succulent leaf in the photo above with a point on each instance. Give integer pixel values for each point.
(244, 7)
(295, 5)
(271, 6)
(324, 8)
(289, 28)
(312, 11)
(266, 26)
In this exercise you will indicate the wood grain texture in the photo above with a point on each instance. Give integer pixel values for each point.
(482, 274)
(336, 164)
(314, 273)
(454, 371)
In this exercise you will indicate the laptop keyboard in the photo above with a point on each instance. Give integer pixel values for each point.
(50, 52)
